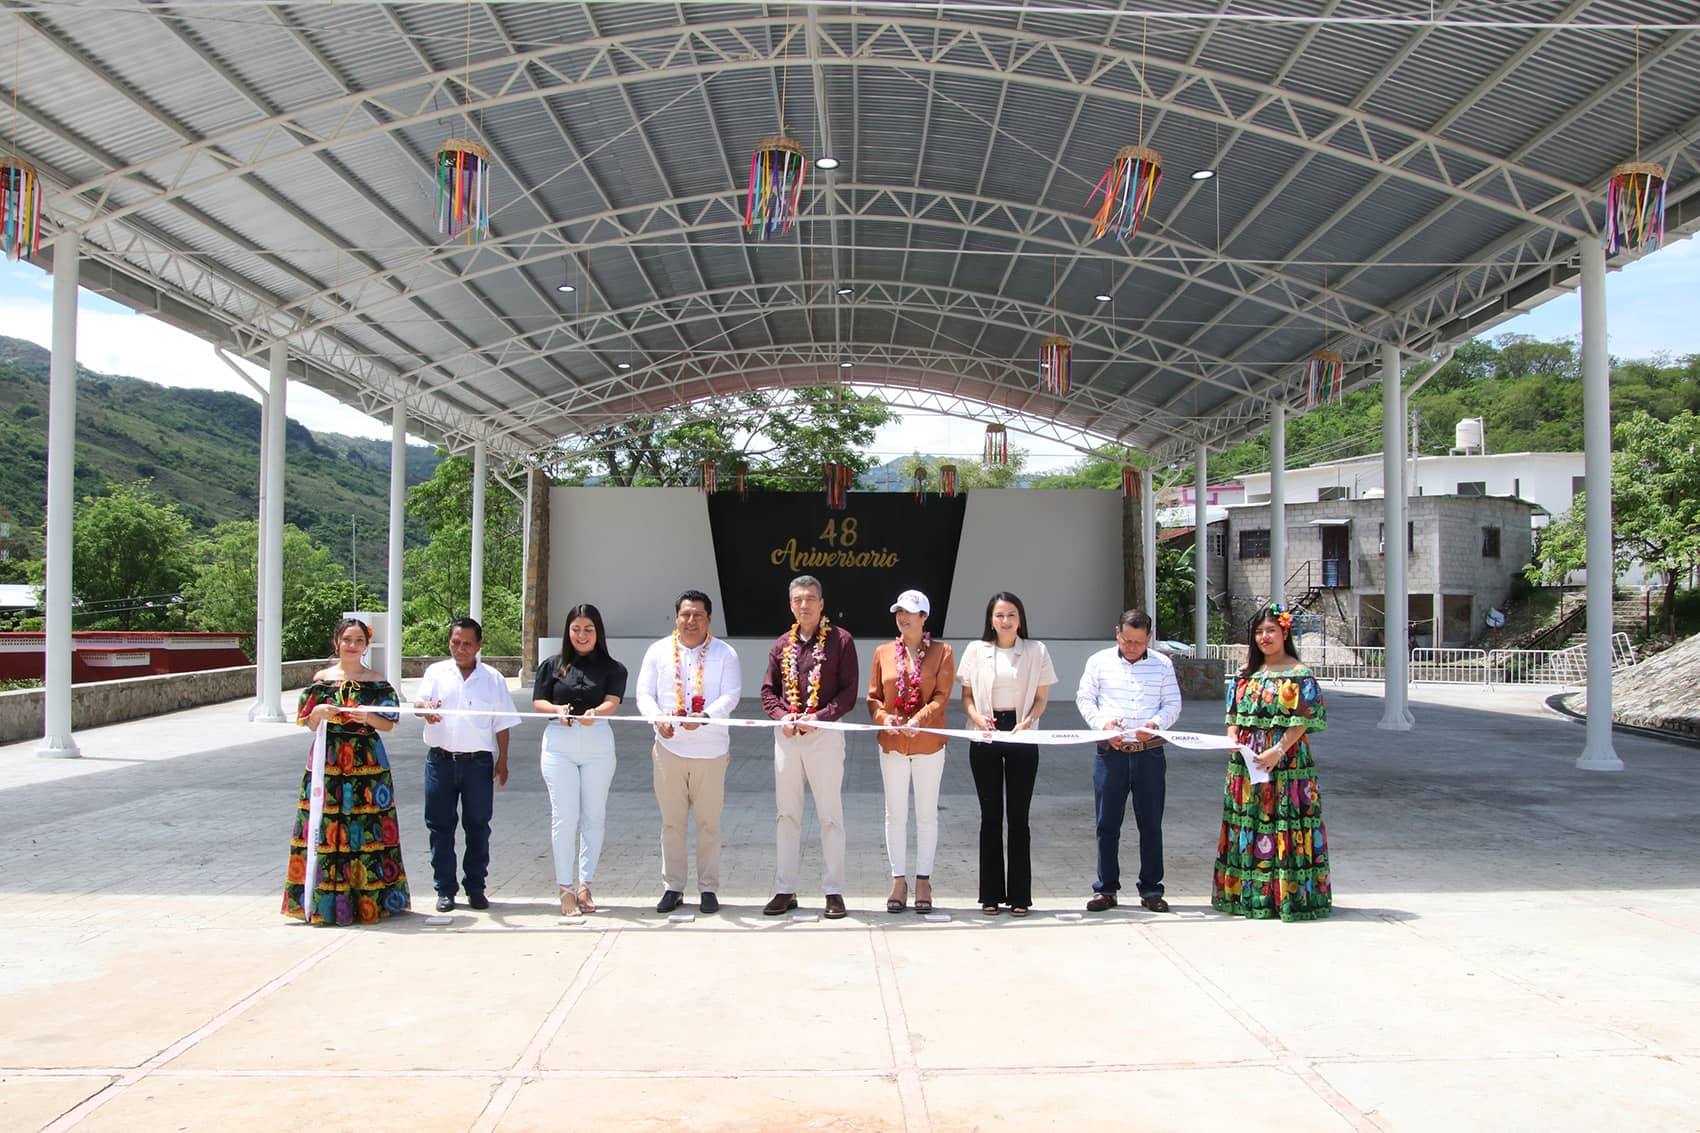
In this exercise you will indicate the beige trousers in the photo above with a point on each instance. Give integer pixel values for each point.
(684, 786)
(818, 760)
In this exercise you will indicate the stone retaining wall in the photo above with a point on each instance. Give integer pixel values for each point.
(112, 702)
(1200, 678)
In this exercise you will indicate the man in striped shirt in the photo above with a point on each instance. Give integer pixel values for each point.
(1130, 689)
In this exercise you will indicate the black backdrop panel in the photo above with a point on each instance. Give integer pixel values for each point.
(865, 556)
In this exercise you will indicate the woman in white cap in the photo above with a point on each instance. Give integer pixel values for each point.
(908, 689)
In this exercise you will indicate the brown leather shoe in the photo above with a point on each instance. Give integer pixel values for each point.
(1155, 903)
(835, 906)
(1100, 902)
(781, 904)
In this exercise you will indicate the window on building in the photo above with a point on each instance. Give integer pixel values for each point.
(1254, 544)
(1578, 485)
(1334, 492)
(1517, 486)
(1410, 537)
(1490, 542)
(1472, 487)
(1219, 544)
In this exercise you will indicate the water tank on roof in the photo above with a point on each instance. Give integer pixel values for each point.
(1469, 436)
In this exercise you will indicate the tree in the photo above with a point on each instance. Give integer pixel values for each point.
(1655, 484)
(784, 437)
(129, 560)
(1175, 592)
(221, 594)
(969, 474)
(1101, 470)
(439, 571)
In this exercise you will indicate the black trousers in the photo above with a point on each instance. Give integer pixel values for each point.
(1005, 771)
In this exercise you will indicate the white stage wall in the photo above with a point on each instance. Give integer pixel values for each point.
(630, 551)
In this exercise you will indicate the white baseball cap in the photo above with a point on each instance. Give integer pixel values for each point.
(914, 601)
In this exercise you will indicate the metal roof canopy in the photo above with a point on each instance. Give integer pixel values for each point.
(1387, 171)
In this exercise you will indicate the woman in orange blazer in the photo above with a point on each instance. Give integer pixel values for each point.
(909, 688)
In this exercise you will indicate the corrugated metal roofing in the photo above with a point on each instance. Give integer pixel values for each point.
(269, 168)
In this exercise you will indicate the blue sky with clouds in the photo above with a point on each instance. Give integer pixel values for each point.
(1652, 311)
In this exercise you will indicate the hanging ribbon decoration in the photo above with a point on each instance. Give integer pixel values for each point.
(710, 478)
(997, 445)
(463, 189)
(20, 208)
(743, 480)
(947, 481)
(1324, 378)
(837, 486)
(1130, 481)
(1056, 357)
(1635, 208)
(777, 172)
(920, 483)
(1128, 187)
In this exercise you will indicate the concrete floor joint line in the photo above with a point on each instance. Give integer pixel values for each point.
(74, 1116)
(911, 1092)
(529, 1060)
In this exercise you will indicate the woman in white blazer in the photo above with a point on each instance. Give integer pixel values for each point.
(1006, 680)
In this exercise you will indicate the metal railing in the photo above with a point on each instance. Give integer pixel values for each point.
(1560, 667)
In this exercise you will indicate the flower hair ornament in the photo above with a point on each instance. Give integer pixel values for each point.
(1282, 615)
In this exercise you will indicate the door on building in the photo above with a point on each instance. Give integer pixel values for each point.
(1337, 556)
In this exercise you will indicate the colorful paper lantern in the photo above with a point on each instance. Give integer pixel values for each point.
(743, 480)
(837, 486)
(1130, 481)
(997, 445)
(1635, 208)
(20, 208)
(1324, 378)
(710, 478)
(920, 483)
(463, 189)
(1056, 356)
(947, 481)
(777, 172)
(1128, 187)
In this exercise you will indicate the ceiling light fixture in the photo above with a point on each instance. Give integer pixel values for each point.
(565, 288)
(845, 365)
(623, 365)
(1203, 174)
(846, 290)
(827, 163)
(1103, 297)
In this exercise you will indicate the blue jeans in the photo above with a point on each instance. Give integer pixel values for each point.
(1115, 775)
(467, 785)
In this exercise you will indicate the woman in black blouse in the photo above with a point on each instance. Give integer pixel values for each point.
(579, 684)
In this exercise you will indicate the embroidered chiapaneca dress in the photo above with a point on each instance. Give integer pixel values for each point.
(1272, 856)
(360, 875)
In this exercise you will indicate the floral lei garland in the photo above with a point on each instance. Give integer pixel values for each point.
(909, 678)
(679, 684)
(793, 700)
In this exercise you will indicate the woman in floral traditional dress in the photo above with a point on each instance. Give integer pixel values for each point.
(909, 688)
(1272, 856)
(356, 864)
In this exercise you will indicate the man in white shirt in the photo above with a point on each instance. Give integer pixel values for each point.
(466, 760)
(690, 673)
(1130, 689)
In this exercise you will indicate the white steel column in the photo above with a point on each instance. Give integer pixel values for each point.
(1396, 604)
(1278, 504)
(1200, 554)
(268, 633)
(1598, 754)
(1148, 543)
(475, 586)
(398, 510)
(56, 741)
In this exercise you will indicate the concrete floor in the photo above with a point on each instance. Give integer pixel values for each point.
(1516, 945)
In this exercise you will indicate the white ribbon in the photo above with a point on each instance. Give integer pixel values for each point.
(315, 815)
(1048, 737)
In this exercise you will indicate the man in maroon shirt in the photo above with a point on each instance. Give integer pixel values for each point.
(812, 675)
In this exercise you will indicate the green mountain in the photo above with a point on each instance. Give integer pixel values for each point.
(201, 449)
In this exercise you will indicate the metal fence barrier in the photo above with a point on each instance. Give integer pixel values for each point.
(1562, 667)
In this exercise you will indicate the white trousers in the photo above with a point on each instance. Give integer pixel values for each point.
(578, 769)
(899, 772)
(818, 759)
